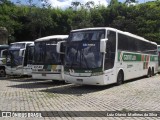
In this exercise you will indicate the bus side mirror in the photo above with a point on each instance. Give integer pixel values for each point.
(103, 45)
(21, 52)
(3, 53)
(60, 46)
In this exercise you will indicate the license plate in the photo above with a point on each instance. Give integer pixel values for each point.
(80, 80)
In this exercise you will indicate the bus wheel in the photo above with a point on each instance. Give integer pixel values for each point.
(149, 74)
(120, 78)
(2, 73)
(153, 71)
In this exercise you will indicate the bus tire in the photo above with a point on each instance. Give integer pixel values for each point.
(2, 72)
(149, 74)
(152, 71)
(120, 77)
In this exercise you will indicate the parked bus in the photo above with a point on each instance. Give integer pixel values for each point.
(158, 58)
(3, 53)
(16, 58)
(47, 62)
(29, 61)
(101, 56)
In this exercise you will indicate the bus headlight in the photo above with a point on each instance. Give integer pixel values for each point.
(97, 73)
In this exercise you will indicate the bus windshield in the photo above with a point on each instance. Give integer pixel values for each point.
(87, 35)
(83, 50)
(45, 52)
(83, 55)
(13, 58)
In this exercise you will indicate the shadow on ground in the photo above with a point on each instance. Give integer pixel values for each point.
(83, 89)
(37, 84)
(77, 90)
(61, 88)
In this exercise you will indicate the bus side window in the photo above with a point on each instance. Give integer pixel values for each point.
(110, 50)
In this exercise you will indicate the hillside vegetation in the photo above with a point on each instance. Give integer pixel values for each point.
(31, 22)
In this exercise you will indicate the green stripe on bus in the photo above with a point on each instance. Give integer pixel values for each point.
(130, 57)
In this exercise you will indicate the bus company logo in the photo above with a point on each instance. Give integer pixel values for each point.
(6, 114)
(38, 67)
(130, 57)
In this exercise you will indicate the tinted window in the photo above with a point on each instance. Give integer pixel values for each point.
(131, 44)
(110, 50)
(87, 35)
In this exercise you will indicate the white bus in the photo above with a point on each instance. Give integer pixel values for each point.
(47, 62)
(158, 58)
(3, 53)
(101, 56)
(29, 61)
(16, 58)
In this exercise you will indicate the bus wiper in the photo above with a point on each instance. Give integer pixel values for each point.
(75, 56)
(81, 52)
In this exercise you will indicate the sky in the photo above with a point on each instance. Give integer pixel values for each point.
(66, 3)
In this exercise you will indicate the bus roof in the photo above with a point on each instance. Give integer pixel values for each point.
(95, 28)
(52, 37)
(4, 45)
(23, 42)
(119, 31)
(32, 44)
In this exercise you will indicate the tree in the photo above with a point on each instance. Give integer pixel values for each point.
(113, 2)
(75, 5)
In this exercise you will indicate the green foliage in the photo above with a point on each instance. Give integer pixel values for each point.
(31, 22)
(113, 3)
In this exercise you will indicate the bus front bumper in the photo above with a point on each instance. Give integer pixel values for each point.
(14, 71)
(45, 76)
(92, 80)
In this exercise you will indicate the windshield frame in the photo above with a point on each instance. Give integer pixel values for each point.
(87, 42)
